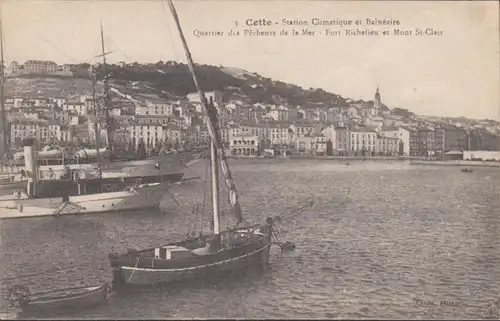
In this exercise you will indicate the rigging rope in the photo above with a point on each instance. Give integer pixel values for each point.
(50, 43)
(118, 47)
(298, 210)
(169, 31)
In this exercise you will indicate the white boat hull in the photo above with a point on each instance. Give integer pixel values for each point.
(138, 198)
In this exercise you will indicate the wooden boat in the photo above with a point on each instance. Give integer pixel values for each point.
(81, 297)
(236, 250)
(467, 170)
(233, 250)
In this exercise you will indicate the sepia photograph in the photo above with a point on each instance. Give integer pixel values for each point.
(249, 159)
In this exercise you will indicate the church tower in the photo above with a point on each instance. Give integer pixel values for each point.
(377, 103)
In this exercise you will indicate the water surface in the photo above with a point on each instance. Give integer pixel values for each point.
(383, 240)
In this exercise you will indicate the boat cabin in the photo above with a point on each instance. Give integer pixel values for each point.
(172, 252)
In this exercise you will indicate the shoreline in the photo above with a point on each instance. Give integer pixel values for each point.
(413, 160)
(341, 158)
(457, 163)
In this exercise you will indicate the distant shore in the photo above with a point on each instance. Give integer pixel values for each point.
(374, 158)
(414, 160)
(340, 158)
(462, 163)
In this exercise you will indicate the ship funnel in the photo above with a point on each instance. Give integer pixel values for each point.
(30, 164)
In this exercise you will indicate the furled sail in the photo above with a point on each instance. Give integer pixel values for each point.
(224, 167)
(213, 129)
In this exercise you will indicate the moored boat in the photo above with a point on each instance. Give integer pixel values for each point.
(144, 196)
(81, 297)
(233, 250)
(9, 185)
(87, 188)
(236, 250)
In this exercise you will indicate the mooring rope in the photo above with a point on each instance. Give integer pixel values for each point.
(298, 210)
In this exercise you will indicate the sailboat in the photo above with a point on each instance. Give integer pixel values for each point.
(235, 249)
(85, 190)
(168, 168)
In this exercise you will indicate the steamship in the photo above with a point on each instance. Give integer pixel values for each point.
(93, 185)
(85, 190)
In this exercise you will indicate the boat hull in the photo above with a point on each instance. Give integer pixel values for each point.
(6, 187)
(131, 275)
(59, 300)
(135, 198)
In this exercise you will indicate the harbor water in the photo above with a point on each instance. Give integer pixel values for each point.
(382, 240)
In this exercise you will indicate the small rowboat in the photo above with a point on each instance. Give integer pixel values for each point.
(69, 298)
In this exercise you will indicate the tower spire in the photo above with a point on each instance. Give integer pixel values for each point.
(377, 103)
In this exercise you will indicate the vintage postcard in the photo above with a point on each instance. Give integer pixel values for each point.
(181, 159)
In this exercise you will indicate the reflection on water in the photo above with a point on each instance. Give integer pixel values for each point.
(383, 240)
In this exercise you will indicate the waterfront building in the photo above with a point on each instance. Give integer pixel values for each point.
(275, 132)
(311, 145)
(403, 134)
(450, 138)
(173, 134)
(341, 143)
(152, 135)
(482, 140)
(244, 145)
(415, 145)
(363, 140)
(427, 140)
(387, 146)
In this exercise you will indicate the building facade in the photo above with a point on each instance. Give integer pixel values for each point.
(244, 145)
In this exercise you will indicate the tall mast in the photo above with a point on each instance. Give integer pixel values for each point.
(214, 135)
(214, 145)
(4, 132)
(97, 128)
(106, 91)
(214, 166)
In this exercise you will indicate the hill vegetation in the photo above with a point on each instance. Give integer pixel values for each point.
(172, 79)
(175, 78)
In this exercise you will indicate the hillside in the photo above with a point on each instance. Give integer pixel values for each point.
(172, 80)
(175, 79)
(47, 87)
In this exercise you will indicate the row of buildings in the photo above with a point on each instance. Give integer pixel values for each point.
(360, 128)
(39, 67)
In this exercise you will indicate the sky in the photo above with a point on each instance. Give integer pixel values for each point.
(454, 74)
